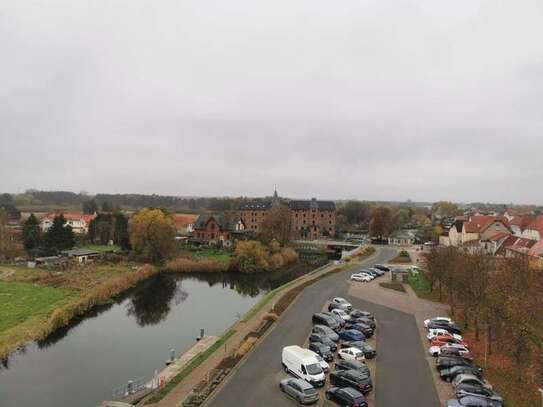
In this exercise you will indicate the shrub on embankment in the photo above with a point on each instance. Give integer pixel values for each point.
(187, 265)
(63, 315)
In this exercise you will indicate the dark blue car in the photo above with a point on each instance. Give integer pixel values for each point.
(351, 335)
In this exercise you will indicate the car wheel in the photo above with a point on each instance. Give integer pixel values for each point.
(435, 354)
(286, 368)
(327, 395)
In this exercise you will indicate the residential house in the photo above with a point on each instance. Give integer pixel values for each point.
(217, 229)
(455, 232)
(184, 223)
(534, 230)
(493, 243)
(519, 223)
(483, 227)
(77, 221)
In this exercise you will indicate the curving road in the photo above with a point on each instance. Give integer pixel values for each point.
(403, 376)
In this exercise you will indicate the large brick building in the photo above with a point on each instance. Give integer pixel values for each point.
(310, 219)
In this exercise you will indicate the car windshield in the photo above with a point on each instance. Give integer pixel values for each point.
(314, 369)
(319, 358)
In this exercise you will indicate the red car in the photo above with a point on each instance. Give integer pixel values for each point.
(445, 339)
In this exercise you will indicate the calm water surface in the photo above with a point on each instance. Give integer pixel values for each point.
(80, 365)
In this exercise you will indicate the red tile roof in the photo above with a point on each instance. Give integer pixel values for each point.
(521, 221)
(182, 220)
(74, 216)
(537, 224)
(499, 236)
(480, 223)
(515, 243)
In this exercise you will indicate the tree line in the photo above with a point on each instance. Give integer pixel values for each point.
(499, 298)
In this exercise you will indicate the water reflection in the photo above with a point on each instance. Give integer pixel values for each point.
(151, 302)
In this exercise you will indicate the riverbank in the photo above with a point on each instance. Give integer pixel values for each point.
(34, 302)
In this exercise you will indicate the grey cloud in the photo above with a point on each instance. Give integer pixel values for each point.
(417, 99)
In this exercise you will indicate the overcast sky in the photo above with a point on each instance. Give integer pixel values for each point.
(386, 100)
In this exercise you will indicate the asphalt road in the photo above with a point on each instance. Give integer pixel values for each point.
(403, 376)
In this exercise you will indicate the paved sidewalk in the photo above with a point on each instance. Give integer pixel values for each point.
(407, 302)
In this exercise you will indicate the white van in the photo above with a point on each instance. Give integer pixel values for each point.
(302, 363)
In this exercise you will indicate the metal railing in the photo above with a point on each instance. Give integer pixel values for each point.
(132, 387)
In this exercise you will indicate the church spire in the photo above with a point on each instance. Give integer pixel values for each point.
(275, 200)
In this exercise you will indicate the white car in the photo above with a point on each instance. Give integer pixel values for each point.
(364, 278)
(438, 319)
(436, 350)
(351, 354)
(437, 332)
(342, 303)
(342, 314)
(324, 365)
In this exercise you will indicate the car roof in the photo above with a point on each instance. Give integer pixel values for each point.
(464, 376)
(352, 348)
(303, 384)
(352, 392)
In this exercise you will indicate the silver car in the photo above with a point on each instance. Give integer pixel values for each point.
(300, 390)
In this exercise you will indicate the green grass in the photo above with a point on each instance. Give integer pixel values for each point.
(193, 364)
(20, 302)
(393, 286)
(420, 284)
(221, 256)
(103, 248)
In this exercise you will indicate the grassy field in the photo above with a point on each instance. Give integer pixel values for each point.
(20, 302)
(35, 302)
(221, 256)
(422, 288)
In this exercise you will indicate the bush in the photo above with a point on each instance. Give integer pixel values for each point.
(250, 257)
(246, 346)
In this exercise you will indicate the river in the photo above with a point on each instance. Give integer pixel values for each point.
(80, 365)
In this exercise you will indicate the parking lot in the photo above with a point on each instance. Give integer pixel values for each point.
(400, 373)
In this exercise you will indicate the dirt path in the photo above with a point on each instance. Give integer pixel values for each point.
(407, 302)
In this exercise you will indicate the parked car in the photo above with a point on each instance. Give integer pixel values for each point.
(472, 401)
(351, 354)
(339, 320)
(378, 271)
(352, 365)
(322, 319)
(324, 330)
(363, 278)
(453, 329)
(450, 350)
(469, 379)
(352, 378)
(346, 396)
(341, 303)
(323, 350)
(478, 391)
(441, 332)
(369, 352)
(365, 321)
(371, 273)
(299, 390)
(351, 335)
(365, 329)
(449, 374)
(357, 313)
(381, 267)
(443, 340)
(443, 362)
(324, 365)
(341, 314)
(325, 340)
(302, 364)
(437, 320)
